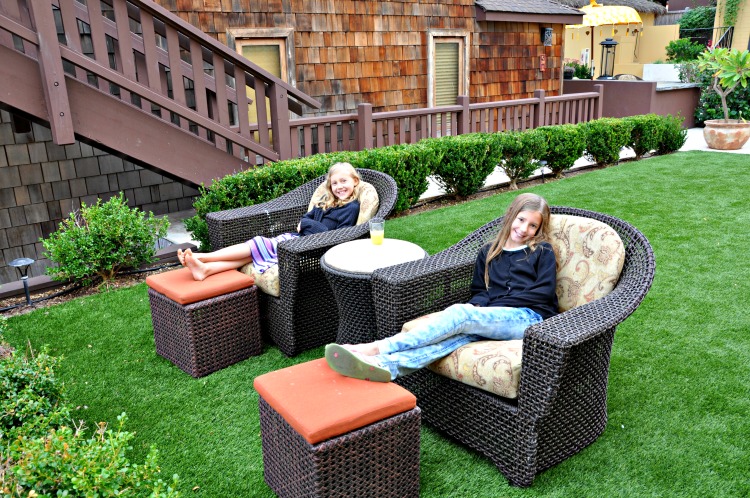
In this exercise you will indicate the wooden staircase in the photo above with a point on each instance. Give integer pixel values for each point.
(129, 77)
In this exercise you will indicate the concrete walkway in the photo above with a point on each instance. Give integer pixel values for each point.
(178, 234)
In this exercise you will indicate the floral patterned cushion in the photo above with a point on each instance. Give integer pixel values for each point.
(590, 256)
(268, 281)
(494, 366)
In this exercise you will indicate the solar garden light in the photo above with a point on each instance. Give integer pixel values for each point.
(22, 265)
(608, 59)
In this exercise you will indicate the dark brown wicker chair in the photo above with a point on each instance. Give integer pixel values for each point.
(304, 315)
(561, 406)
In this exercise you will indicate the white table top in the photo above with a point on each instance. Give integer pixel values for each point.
(362, 256)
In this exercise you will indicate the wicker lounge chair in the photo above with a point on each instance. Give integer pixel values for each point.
(561, 405)
(304, 314)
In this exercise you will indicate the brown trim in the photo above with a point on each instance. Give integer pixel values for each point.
(482, 15)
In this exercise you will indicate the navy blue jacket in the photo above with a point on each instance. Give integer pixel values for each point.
(318, 220)
(518, 279)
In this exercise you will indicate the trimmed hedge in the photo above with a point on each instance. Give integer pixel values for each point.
(565, 145)
(646, 133)
(466, 162)
(520, 151)
(461, 164)
(605, 137)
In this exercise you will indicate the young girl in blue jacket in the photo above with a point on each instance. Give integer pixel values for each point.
(513, 287)
(338, 209)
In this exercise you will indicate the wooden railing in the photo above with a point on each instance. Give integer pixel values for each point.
(147, 57)
(153, 65)
(365, 129)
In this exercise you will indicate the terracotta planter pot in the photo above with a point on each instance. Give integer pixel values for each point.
(726, 136)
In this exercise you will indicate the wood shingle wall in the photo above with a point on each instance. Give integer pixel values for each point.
(348, 52)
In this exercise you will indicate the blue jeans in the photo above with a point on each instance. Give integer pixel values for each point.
(457, 326)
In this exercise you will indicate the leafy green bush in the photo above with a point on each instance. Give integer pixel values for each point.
(409, 165)
(684, 49)
(520, 151)
(64, 462)
(102, 239)
(41, 455)
(467, 161)
(565, 145)
(32, 396)
(696, 18)
(646, 133)
(605, 137)
(673, 135)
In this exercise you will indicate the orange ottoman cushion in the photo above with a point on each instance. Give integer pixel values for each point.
(179, 285)
(320, 404)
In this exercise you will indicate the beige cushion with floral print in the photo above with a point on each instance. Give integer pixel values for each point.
(590, 256)
(267, 282)
(367, 197)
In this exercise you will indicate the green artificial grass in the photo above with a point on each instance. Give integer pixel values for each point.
(678, 389)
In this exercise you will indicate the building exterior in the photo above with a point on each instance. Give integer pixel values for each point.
(394, 54)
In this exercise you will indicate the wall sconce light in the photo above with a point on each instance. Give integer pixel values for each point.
(22, 265)
(547, 37)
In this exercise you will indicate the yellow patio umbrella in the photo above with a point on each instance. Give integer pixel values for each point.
(606, 15)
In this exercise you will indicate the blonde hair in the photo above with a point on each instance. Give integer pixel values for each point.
(523, 202)
(330, 200)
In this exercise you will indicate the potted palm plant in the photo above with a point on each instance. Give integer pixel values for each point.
(730, 68)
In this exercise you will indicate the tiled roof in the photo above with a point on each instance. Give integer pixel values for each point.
(526, 7)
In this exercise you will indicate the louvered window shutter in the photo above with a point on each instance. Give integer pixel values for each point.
(446, 73)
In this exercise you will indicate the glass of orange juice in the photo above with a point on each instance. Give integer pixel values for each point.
(377, 230)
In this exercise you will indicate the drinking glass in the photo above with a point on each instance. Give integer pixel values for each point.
(377, 230)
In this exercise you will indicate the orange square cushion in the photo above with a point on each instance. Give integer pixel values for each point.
(179, 285)
(320, 404)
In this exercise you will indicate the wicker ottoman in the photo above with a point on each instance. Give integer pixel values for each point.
(328, 435)
(204, 326)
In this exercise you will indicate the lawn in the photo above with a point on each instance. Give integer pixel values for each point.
(678, 389)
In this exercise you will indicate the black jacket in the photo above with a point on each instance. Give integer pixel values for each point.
(318, 220)
(518, 279)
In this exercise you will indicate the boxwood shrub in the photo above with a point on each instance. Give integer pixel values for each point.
(565, 145)
(646, 133)
(673, 135)
(605, 137)
(520, 151)
(466, 162)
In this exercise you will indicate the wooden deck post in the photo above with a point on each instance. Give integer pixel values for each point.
(541, 110)
(600, 101)
(463, 119)
(53, 77)
(364, 126)
(279, 101)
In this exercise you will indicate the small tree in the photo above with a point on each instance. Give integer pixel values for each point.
(102, 239)
(730, 68)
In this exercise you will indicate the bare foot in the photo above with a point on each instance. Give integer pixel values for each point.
(367, 349)
(181, 256)
(197, 267)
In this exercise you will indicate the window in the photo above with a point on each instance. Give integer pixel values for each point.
(269, 49)
(448, 68)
